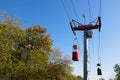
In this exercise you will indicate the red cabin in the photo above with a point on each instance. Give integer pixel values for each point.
(75, 56)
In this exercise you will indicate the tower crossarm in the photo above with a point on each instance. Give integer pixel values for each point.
(85, 27)
(78, 26)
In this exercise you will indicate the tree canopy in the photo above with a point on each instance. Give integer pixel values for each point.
(27, 54)
(23, 52)
(117, 71)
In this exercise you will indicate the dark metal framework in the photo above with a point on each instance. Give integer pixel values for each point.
(75, 25)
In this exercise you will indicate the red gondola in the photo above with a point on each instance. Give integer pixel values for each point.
(75, 56)
(75, 53)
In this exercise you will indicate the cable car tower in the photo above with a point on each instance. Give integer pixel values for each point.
(76, 26)
(87, 31)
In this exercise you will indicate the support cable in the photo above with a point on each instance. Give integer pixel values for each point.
(100, 8)
(75, 41)
(99, 48)
(65, 10)
(89, 10)
(74, 9)
(99, 34)
(93, 54)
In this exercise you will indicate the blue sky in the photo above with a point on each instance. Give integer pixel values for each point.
(51, 14)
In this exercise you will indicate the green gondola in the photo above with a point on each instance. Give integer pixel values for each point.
(99, 71)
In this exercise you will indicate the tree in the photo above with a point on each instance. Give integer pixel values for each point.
(59, 65)
(117, 70)
(79, 78)
(23, 52)
(27, 54)
(101, 79)
(8, 35)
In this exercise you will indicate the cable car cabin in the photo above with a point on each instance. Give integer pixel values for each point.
(75, 52)
(99, 71)
(75, 56)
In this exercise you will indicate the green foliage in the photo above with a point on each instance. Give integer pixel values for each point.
(23, 54)
(101, 79)
(79, 78)
(55, 65)
(117, 70)
(59, 66)
(26, 54)
(8, 35)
